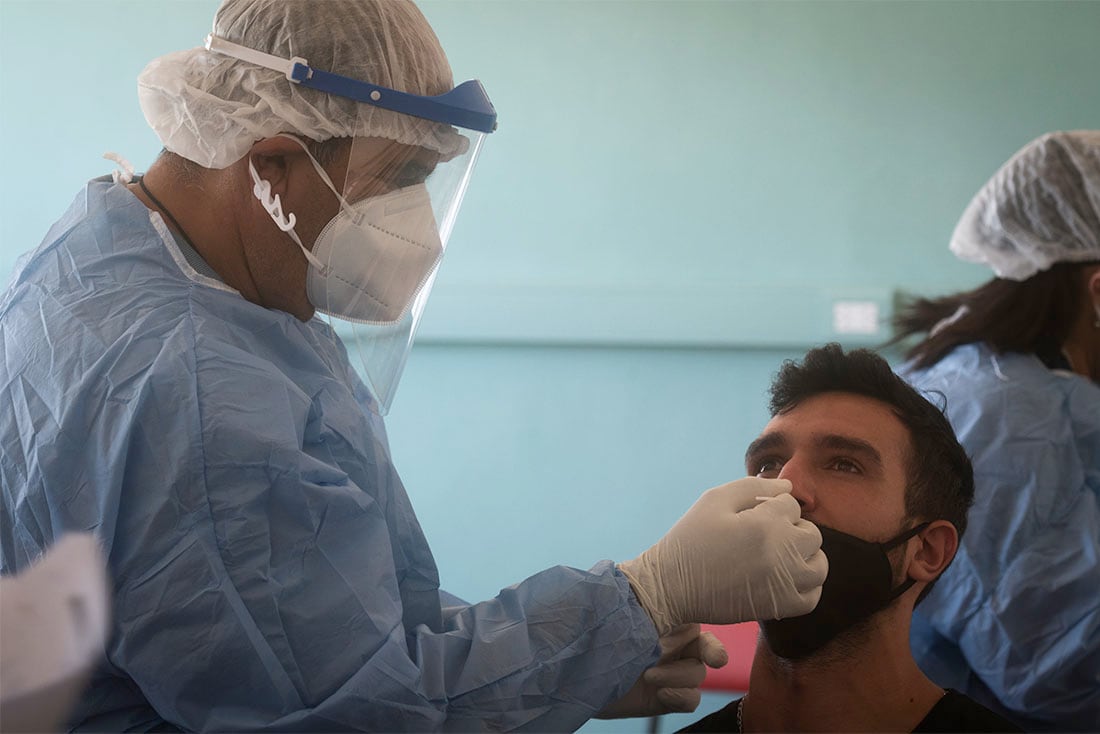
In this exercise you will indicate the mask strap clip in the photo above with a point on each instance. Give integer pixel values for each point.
(261, 189)
(124, 172)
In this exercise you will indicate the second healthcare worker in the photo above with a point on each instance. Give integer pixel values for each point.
(171, 390)
(1015, 621)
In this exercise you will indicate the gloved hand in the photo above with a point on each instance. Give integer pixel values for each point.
(732, 558)
(672, 685)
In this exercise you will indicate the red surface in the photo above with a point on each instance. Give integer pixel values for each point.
(740, 642)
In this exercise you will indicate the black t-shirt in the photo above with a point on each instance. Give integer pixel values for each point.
(952, 713)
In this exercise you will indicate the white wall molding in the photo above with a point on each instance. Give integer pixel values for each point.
(677, 317)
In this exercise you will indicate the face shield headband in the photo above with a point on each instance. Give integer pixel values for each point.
(466, 106)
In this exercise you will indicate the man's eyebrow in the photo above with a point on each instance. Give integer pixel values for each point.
(852, 445)
(765, 443)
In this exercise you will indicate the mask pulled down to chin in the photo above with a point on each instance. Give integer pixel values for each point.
(860, 583)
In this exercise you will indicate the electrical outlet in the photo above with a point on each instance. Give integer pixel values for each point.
(855, 317)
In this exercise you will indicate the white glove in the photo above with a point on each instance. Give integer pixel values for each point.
(672, 685)
(732, 558)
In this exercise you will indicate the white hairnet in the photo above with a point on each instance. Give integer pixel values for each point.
(210, 108)
(1042, 207)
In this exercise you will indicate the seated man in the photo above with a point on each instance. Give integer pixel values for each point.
(878, 469)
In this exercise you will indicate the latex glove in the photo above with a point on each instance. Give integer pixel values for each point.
(732, 558)
(672, 685)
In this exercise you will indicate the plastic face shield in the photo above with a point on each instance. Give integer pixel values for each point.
(399, 200)
(385, 247)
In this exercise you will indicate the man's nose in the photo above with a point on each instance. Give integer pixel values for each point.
(801, 485)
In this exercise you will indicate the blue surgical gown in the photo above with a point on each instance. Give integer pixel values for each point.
(1015, 620)
(269, 571)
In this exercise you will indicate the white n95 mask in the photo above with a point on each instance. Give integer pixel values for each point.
(372, 258)
(375, 256)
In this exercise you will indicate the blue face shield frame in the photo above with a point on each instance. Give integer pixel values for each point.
(466, 106)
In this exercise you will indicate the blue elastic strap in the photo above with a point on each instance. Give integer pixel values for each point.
(465, 106)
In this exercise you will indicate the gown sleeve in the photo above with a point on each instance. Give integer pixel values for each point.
(268, 571)
(271, 574)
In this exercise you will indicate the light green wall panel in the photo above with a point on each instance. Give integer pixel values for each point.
(677, 197)
(680, 144)
(712, 144)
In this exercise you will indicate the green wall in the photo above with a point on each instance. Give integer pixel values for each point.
(677, 196)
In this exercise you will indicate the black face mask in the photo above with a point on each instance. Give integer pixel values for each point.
(860, 583)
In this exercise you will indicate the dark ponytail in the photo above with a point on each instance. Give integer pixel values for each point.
(1033, 316)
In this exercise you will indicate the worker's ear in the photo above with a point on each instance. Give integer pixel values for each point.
(1094, 285)
(273, 158)
(938, 543)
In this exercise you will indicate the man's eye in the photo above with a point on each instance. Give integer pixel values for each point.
(768, 467)
(846, 465)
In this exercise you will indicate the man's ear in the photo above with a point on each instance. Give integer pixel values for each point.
(272, 158)
(938, 543)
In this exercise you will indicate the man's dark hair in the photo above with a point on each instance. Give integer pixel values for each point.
(940, 478)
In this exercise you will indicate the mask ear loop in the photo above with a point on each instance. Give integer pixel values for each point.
(891, 544)
(344, 203)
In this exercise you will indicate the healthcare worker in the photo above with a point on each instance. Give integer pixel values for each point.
(1015, 621)
(170, 388)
